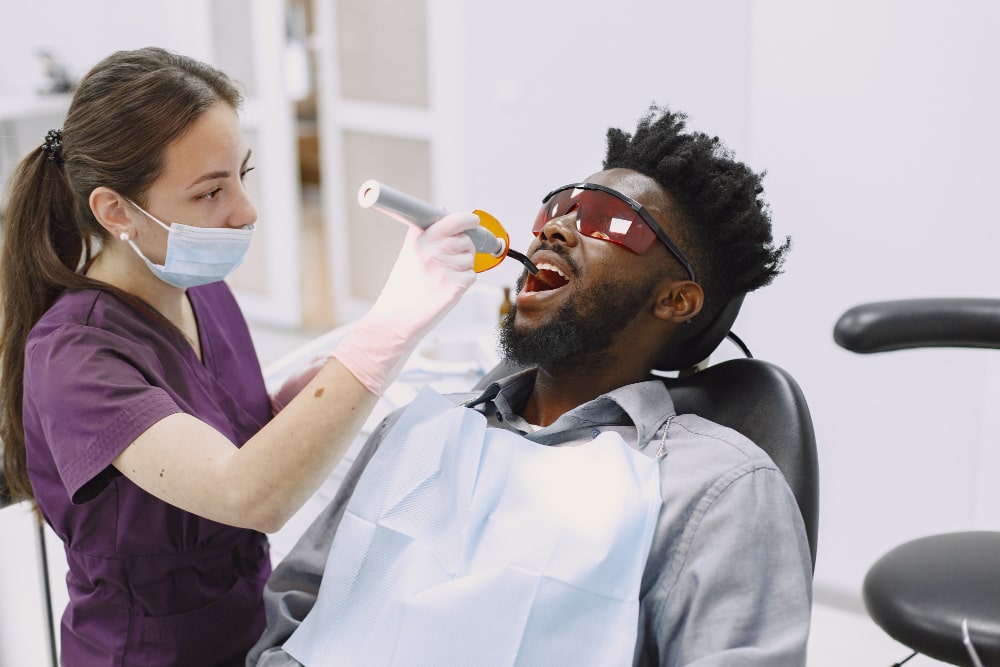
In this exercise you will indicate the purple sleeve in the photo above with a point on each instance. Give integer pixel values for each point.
(87, 398)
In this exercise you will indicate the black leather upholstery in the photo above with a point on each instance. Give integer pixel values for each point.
(911, 323)
(764, 403)
(921, 591)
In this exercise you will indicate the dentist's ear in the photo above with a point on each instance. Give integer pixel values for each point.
(110, 209)
(679, 301)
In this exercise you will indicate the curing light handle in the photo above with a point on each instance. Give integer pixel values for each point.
(406, 208)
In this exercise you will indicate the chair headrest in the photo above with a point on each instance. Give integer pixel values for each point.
(695, 350)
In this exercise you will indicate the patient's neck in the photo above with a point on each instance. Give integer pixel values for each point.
(558, 390)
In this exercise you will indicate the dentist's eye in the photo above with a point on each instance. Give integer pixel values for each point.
(211, 195)
(245, 172)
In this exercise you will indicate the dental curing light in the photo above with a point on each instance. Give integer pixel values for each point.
(491, 241)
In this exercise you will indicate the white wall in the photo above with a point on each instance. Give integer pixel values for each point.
(545, 79)
(877, 123)
(81, 33)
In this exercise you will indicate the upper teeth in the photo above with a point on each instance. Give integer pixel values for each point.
(549, 267)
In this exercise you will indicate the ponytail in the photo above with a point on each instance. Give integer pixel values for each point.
(43, 247)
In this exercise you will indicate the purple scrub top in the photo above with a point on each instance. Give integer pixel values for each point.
(149, 584)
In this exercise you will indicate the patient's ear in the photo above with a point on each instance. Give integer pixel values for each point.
(679, 301)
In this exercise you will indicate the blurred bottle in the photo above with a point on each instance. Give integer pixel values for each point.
(505, 304)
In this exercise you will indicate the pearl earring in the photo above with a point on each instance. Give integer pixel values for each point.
(123, 236)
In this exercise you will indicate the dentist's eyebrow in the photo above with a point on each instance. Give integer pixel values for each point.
(212, 175)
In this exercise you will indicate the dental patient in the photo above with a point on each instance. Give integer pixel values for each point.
(567, 515)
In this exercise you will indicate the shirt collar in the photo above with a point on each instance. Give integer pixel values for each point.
(646, 404)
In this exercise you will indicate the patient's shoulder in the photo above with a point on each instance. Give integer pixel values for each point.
(696, 441)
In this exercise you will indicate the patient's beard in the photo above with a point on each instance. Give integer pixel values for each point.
(582, 330)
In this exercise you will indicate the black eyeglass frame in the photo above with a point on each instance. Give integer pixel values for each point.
(643, 213)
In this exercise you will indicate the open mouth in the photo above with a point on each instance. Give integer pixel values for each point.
(548, 278)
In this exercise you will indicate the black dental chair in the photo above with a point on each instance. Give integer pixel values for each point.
(921, 592)
(753, 397)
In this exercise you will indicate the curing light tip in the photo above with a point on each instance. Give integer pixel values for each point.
(532, 269)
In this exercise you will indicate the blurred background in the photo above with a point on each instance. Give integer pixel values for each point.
(875, 120)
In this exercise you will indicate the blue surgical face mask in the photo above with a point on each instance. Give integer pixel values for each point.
(197, 255)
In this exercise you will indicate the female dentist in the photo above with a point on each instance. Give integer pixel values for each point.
(134, 411)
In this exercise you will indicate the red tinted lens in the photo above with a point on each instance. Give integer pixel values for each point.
(555, 206)
(600, 215)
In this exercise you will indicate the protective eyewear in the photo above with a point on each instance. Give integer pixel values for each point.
(606, 214)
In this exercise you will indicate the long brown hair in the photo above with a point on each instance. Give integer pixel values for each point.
(124, 114)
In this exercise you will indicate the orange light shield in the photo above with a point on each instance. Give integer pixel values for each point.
(486, 261)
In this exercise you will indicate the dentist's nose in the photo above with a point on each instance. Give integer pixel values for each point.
(245, 212)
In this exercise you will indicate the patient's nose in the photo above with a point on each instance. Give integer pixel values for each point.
(562, 228)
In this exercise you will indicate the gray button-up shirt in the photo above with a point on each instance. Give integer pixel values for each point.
(728, 580)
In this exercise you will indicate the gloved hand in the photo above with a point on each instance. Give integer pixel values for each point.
(433, 270)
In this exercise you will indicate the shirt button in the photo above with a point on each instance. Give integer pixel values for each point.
(595, 433)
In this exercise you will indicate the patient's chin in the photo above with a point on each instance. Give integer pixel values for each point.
(567, 339)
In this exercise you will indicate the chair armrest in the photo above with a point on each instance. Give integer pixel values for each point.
(912, 323)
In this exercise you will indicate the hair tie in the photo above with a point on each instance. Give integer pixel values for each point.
(53, 145)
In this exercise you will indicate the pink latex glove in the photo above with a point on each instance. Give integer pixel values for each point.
(431, 273)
